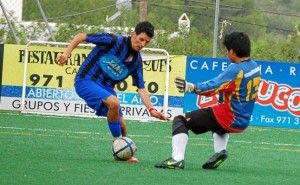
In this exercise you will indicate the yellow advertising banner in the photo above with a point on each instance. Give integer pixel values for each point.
(42, 70)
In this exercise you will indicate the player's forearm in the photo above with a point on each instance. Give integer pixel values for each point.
(75, 42)
(145, 98)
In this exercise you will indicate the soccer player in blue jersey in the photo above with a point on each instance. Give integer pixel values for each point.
(237, 87)
(113, 59)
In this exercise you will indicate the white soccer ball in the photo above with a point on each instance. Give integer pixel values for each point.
(123, 148)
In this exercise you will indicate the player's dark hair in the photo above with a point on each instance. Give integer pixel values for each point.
(145, 27)
(239, 42)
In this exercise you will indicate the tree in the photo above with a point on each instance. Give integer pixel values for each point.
(267, 22)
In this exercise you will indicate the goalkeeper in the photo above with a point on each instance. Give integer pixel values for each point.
(237, 87)
(112, 60)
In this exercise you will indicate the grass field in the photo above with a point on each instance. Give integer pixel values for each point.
(45, 150)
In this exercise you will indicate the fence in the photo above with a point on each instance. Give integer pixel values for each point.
(267, 23)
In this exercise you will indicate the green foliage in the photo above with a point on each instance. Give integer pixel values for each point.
(90, 12)
(252, 20)
(257, 18)
(279, 49)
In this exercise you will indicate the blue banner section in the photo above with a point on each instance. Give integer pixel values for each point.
(278, 101)
(156, 100)
(71, 95)
(11, 91)
(40, 93)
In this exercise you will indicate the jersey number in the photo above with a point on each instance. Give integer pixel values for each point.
(252, 88)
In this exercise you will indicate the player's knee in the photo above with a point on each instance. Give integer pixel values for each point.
(113, 103)
(179, 125)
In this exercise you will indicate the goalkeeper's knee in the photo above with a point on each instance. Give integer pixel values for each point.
(179, 125)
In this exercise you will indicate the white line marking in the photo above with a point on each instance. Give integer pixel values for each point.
(145, 136)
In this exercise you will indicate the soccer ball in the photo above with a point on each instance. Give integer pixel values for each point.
(123, 148)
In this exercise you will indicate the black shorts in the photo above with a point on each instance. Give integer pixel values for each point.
(203, 120)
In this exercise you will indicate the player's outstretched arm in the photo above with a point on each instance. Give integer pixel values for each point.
(145, 98)
(63, 58)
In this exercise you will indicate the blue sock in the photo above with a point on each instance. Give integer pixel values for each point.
(115, 128)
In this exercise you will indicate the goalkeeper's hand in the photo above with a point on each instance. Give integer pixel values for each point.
(184, 86)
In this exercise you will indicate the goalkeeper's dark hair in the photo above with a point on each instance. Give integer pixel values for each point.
(145, 27)
(239, 42)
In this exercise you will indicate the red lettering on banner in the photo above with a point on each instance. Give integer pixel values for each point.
(266, 95)
(281, 96)
(294, 103)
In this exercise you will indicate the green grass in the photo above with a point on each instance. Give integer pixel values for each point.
(39, 149)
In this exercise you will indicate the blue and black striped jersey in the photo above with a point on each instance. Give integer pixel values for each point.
(111, 61)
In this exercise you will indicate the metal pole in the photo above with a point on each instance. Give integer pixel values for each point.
(143, 10)
(9, 24)
(216, 28)
(45, 19)
(166, 93)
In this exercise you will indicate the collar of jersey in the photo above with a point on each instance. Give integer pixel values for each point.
(129, 46)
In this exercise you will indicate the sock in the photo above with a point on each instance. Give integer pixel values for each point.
(220, 141)
(179, 142)
(115, 128)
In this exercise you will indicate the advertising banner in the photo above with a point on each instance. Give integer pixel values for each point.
(278, 100)
(50, 87)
